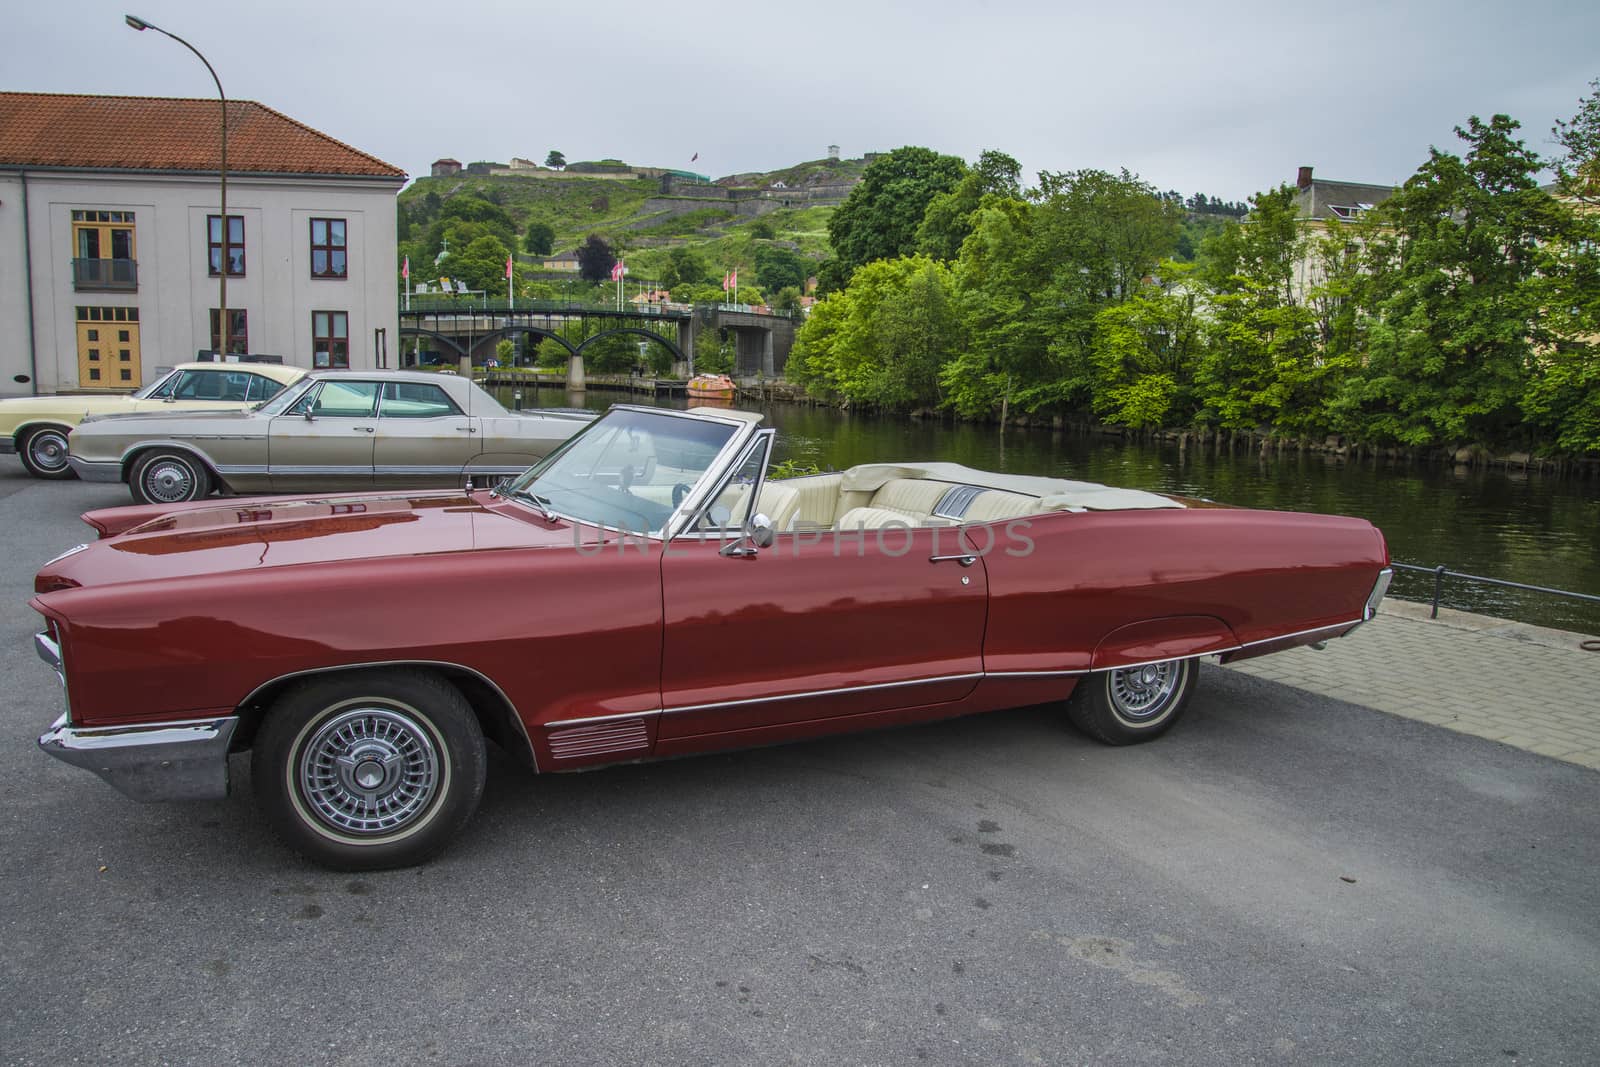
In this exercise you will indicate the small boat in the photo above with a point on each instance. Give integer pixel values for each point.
(712, 387)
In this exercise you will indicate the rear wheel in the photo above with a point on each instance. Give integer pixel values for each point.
(1132, 704)
(44, 452)
(162, 477)
(371, 770)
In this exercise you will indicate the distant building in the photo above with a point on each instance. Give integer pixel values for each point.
(562, 261)
(1322, 205)
(446, 168)
(833, 152)
(1319, 198)
(111, 244)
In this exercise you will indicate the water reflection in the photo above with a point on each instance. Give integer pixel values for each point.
(1503, 524)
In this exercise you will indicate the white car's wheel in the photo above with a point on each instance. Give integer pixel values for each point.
(44, 452)
(1132, 704)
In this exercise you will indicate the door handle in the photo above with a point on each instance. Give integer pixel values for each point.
(364, 429)
(466, 429)
(966, 559)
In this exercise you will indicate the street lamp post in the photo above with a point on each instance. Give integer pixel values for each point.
(222, 268)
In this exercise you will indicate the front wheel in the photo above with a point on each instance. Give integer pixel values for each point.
(367, 771)
(1128, 705)
(169, 478)
(44, 453)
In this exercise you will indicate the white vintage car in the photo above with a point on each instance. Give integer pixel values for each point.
(35, 428)
(333, 430)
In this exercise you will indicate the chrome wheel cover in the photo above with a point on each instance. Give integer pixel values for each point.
(48, 450)
(1141, 695)
(368, 772)
(168, 480)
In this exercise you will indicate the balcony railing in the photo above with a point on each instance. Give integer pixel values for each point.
(105, 274)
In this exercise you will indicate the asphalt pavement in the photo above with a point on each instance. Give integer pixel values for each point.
(1284, 878)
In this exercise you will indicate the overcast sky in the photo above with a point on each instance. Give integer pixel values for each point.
(1226, 98)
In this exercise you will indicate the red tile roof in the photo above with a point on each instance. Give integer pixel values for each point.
(155, 133)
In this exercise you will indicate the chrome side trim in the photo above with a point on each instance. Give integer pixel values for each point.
(1285, 637)
(516, 717)
(331, 469)
(242, 468)
(559, 723)
(821, 693)
(150, 761)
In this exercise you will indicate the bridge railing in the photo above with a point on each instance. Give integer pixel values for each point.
(438, 302)
(441, 302)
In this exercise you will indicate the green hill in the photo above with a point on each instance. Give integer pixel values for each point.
(644, 218)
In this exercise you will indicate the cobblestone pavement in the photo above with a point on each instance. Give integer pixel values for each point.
(1520, 685)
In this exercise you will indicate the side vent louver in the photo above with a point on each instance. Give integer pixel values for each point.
(600, 739)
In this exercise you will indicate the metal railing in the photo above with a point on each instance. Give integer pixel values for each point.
(1440, 573)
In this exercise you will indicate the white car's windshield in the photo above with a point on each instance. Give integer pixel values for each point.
(150, 390)
(629, 470)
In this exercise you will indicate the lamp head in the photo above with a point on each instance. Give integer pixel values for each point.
(136, 22)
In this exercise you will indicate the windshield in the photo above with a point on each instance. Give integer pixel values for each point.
(628, 470)
(280, 403)
(161, 385)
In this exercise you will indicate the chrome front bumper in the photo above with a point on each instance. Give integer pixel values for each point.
(150, 761)
(92, 470)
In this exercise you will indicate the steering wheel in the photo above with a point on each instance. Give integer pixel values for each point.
(679, 491)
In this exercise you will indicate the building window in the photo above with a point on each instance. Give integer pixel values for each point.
(330, 339)
(103, 251)
(108, 347)
(238, 331)
(235, 245)
(328, 257)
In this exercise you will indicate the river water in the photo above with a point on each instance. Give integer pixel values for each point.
(1528, 528)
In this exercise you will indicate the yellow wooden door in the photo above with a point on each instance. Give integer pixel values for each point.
(108, 348)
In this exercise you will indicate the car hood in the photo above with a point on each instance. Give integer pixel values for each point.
(87, 403)
(259, 533)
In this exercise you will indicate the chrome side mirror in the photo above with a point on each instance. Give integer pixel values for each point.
(760, 532)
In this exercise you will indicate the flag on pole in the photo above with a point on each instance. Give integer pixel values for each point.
(734, 283)
(616, 271)
(508, 267)
(405, 269)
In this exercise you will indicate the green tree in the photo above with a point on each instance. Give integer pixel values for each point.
(1459, 300)
(595, 259)
(777, 267)
(883, 341)
(1146, 350)
(880, 217)
(1262, 368)
(540, 239)
(482, 264)
(1008, 316)
(948, 218)
(555, 160)
(1578, 164)
(786, 299)
(683, 267)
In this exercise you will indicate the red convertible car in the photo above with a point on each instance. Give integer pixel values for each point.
(643, 592)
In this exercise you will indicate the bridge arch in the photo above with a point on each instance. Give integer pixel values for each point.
(504, 331)
(677, 353)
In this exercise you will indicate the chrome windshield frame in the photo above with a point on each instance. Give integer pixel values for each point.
(743, 430)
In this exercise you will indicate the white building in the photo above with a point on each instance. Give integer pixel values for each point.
(111, 241)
